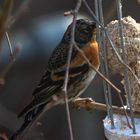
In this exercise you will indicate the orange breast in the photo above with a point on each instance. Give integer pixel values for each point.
(92, 53)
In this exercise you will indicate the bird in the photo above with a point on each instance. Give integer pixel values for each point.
(80, 73)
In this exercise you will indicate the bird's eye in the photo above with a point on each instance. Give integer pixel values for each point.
(90, 28)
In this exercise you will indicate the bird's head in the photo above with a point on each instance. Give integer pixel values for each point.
(85, 31)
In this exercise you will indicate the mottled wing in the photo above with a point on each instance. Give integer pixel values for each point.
(59, 57)
(53, 78)
(56, 63)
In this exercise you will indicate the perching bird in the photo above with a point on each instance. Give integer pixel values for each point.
(80, 73)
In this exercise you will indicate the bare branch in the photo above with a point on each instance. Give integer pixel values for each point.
(89, 104)
(72, 40)
(128, 88)
(9, 45)
(103, 59)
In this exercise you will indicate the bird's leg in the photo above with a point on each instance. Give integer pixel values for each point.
(78, 102)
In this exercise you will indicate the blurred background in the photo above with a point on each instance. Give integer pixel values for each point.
(38, 31)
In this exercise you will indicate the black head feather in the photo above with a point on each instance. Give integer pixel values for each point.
(83, 32)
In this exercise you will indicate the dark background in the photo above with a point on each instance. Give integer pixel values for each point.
(39, 31)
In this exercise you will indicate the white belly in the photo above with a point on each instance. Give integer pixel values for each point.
(87, 79)
(76, 90)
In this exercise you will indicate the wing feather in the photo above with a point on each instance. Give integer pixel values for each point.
(53, 78)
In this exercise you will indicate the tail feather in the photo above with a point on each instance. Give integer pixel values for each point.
(20, 130)
(29, 117)
(27, 109)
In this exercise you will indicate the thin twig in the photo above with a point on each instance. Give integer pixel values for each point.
(10, 46)
(110, 41)
(127, 82)
(65, 85)
(98, 32)
(105, 64)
